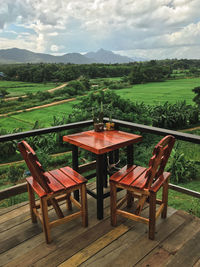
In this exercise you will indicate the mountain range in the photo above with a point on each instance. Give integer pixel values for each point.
(16, 55)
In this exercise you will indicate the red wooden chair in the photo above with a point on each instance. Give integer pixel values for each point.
(52, 187)
(143, 183)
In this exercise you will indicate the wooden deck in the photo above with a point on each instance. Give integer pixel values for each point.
(177, 241)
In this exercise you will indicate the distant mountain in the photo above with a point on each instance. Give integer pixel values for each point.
(15, 55)
(108, 57)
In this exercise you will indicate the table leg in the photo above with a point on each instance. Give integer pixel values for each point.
(130, 157)
(105, 173)
(75, 166)
(99, 183)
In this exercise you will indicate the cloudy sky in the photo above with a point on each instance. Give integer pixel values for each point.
(153, 29)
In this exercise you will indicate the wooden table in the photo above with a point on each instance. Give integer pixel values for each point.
(100, 143)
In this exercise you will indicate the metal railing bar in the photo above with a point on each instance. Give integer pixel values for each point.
(158, 131)
(10, 137)
(184, 190)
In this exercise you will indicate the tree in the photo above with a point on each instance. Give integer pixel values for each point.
(196, 99)
(3, 92)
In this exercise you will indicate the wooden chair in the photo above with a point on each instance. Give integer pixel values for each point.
(143, 183)
(52, 187)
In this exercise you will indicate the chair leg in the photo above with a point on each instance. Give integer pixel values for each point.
(69, 203)
(84, 208)
(113, 204)
(45, 224)
(32, 205)
(165, 199)
(152, 215)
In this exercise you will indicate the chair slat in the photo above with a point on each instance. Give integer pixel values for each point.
(140, 182)
(116, 177)
(73, 174)
(131, 177)
(64, 179)
(53, 184)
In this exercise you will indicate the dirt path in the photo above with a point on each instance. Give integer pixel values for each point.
(192, 129)
(46, 105)
(24, 96)
(56, 88)
(37, 107)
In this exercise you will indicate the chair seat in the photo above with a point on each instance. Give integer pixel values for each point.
(134, 177)
(59, 179)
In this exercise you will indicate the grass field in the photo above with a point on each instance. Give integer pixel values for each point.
(22, 88)
(185, 202)
(158, 93)
(26, 120)
(150, 93)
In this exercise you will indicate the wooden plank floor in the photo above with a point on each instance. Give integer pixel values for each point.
(177, 241)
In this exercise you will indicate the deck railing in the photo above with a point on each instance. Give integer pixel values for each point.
(21, 188)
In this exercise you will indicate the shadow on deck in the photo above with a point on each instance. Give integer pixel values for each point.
(22, 243)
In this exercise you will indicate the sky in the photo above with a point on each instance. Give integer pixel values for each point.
(151, 29)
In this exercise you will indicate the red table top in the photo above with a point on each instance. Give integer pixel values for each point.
(102, 142)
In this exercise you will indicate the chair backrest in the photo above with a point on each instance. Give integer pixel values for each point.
(34, 165)
(159, 159)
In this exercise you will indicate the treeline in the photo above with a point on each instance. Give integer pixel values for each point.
(135, 72)
(61, 72)
(149, 72)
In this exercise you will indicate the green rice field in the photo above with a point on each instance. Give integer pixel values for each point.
(44, 116)
(150, 93)
(160, 92)
(22, 88)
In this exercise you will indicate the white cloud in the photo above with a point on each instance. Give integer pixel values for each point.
(56, 48)
(143, 26)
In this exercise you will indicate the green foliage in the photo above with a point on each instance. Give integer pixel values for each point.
(78, 86)
(182, 170)
(195, 207)
(86, 83)
(196, 99)
(8, 148)
(20, 99)
(62, 72)
(43, 156)
(43, 95)
(174, 116)
(123, 109)
(98, 114)
(30, 95)
(14, 200)
(15, 173)
(149, 72)
(3, 92)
